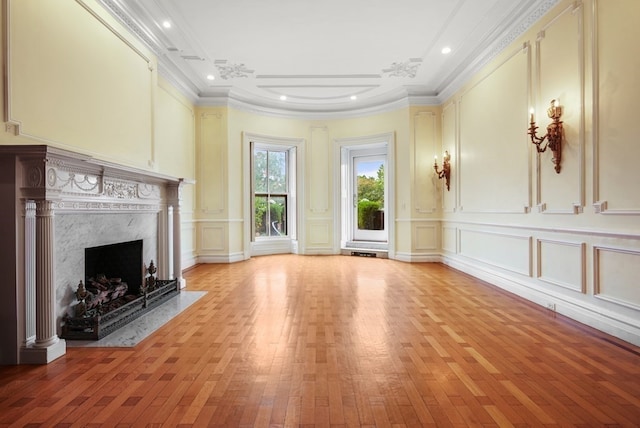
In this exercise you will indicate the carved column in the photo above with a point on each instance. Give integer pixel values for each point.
(175, 201)
(45, 276)
(48, 346)
(29, 273)
(169, 226)
(177, 251)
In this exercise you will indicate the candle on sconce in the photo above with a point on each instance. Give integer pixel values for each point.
(531, 117)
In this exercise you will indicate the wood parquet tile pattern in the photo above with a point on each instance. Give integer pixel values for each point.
(339, 341)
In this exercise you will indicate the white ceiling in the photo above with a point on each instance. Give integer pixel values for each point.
(321, 53)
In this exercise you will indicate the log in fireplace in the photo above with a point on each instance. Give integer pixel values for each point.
(120, 260)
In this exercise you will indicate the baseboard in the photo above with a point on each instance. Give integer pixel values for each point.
(416, 257)
(594, 316)
(227, 258)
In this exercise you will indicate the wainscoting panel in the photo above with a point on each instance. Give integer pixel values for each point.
(616, 273)
(212, 238)
(590, 276)
(505, 251)
(425, 237)
(189, 251)
(450, 239)
(562, 264)
(319, 236)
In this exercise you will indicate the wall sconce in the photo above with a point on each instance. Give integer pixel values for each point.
(553, 135)
(446, 168)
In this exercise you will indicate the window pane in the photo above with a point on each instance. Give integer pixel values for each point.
(278, 215)
(260, 171)
(260, 216)
(277, 172)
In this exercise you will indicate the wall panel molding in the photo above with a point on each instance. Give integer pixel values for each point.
(551, 81)
(607, 103)
(212, 169)
(562, 264)
(319, 154)
(319, 233)
(477, 143)
(451, 142)
(615, 270)
(450, 239)
(118, 128)
(506, 251)
(212, 238)
(424, 148)
(425, 237)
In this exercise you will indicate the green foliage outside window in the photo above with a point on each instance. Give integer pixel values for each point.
(276, 218)
(371, 201)
(367, 211)
(372, 189)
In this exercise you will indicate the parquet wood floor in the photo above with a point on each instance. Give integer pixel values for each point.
(339, 341)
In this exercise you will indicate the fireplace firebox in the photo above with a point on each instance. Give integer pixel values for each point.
(121, 260)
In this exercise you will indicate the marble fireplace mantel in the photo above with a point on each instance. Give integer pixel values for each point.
(40, 182)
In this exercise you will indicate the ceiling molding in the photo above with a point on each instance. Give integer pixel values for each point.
(183, 56)
(522, 20)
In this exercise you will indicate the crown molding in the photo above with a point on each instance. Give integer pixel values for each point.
(521, 20)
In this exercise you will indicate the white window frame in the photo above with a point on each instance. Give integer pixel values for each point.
(255, 246)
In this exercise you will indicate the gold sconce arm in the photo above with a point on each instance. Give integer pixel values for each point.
(553, 136)
(446, 168)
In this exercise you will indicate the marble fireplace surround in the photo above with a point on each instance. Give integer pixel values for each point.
(67, 202)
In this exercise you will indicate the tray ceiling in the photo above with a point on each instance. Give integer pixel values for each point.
(328, 56)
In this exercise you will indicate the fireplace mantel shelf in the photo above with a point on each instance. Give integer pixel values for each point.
(74, 181)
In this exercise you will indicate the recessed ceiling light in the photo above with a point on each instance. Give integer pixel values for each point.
(166, 24)
(354, 97)
(446, 50)
(210, 77)
(283, 97)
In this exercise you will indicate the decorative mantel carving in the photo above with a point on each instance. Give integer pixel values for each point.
(79, 182)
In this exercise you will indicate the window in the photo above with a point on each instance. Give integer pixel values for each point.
(270, 191)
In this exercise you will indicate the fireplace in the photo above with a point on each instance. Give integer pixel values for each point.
(122, 260)
(64, 202)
